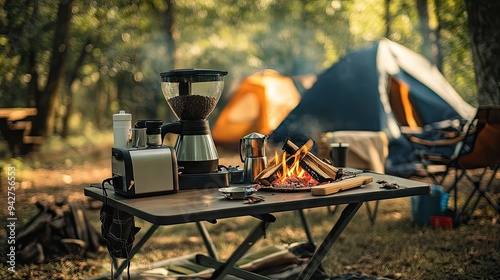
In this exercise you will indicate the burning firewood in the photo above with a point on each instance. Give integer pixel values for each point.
(296, 166)
(294, 183)
(320, 170)
(269, 174)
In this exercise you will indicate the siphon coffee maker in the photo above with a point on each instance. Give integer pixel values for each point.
(253, 146)
(192, 94)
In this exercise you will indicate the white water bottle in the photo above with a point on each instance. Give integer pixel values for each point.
(122, 122)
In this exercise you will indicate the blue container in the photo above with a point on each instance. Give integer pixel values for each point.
(425, 206)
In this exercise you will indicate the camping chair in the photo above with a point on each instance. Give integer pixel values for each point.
(476, 148)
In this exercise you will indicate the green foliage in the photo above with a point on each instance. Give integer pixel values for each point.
(129, 45)
(16, 163)
(458, 63)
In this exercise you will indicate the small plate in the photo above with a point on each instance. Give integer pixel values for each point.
(273, 189)
(237, 192)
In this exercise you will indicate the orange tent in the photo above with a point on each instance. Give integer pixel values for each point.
(260, 104)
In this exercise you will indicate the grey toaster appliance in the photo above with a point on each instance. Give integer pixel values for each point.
(145, 171)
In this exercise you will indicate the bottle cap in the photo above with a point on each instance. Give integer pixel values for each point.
(122, 116)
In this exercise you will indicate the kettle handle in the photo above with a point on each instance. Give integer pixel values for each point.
(172, 127)
(241, 155)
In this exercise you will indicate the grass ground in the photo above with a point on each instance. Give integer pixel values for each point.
(393, 247)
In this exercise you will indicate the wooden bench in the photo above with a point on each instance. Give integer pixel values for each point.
(15, 128)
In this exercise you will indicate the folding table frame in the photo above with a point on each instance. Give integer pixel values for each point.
(208, 205)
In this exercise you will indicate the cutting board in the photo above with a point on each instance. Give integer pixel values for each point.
(335, 187)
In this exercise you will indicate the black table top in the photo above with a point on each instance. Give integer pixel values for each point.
(209, 204)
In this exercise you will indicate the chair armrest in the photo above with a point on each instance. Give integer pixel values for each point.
(448, 137)
(411, 130)
(447, 125)
(439, 142)
(448, 128)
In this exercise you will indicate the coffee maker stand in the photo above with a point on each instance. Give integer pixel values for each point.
(219, 179)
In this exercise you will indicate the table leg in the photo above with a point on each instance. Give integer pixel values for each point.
(134, 250)
(372, 214)
(305, 224)
(212, 252)
(258, 232)
(326, 245)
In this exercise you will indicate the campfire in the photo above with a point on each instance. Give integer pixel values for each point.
(293, 176)
(296, 167)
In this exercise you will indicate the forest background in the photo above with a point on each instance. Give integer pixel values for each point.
(78, 62)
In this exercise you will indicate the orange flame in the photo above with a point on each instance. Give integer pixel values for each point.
(293, 169)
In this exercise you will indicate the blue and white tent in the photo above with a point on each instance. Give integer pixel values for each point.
(353, 94)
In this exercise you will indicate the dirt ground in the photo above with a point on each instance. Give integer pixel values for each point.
(64, 175)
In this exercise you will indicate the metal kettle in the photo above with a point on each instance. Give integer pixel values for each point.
(253, 146)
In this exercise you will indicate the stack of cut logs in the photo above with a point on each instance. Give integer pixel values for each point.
(319, 170)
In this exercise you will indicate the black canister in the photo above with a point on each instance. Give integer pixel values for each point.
(153, 133)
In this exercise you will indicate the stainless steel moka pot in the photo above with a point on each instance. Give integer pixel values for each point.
(254, 147)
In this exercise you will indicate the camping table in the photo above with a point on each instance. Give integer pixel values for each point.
(199, 205)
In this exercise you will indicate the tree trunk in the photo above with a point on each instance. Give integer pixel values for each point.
(484, 30)
(46, 99)
(170, 28)
(168, 24)
(387, 4)
(439, 51)
(425, 30)
(69, 92)
(105, 95)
